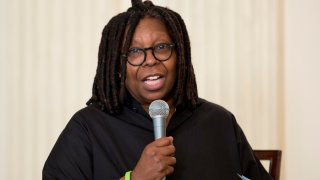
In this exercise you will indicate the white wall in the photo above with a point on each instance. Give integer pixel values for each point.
(3, 92)
(302, 89)
(50, 55)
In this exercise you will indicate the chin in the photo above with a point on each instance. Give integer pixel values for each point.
(156, 96)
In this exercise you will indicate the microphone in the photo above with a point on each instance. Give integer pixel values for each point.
(159, 111)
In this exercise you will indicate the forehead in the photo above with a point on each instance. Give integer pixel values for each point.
(151, 22)
(150, 28)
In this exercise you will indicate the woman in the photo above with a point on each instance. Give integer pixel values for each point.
(144, 55)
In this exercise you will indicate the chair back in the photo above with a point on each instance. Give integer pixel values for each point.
(274, 156)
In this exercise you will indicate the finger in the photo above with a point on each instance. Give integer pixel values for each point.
(165, 161)
(169, 170)
(170, 161)
(166, 150)
(164, 141)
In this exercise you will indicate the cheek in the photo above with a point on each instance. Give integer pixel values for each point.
(130, 78)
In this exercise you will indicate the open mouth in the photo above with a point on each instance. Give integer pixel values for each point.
(152, 78)
(154, 82)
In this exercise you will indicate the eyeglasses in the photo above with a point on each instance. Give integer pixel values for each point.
(137, 56)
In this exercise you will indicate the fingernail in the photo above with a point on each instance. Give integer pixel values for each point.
(171, 138)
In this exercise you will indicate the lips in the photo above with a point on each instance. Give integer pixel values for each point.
(153, 82)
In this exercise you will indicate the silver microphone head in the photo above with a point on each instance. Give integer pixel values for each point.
(159, 108)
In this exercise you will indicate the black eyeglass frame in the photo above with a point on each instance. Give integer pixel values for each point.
(144, 50)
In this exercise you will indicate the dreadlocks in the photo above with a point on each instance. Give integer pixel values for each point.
(109, 84)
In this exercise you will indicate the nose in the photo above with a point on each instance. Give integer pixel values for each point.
(150, 59)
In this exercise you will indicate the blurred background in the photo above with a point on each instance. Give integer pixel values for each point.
(258, 58)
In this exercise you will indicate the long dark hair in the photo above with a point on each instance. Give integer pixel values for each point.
(109, 89)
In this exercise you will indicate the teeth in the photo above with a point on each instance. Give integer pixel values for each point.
(153, 77)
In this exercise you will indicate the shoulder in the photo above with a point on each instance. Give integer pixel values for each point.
(211, 108)
(88, 116)
(90, 111)
(92, 118)
(216, 117)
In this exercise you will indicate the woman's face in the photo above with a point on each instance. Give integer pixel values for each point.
(153, 79)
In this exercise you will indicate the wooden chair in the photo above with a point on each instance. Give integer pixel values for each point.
(274, 156)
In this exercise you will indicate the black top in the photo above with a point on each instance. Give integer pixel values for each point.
(209, 145)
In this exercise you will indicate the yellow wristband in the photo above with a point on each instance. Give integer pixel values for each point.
(127, 176)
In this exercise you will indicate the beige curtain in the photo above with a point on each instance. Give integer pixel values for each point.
(49, 55)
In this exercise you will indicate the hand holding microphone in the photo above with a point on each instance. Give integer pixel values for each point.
(156, 160)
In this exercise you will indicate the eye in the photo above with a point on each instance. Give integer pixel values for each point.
(135, 51)
(161, 47)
